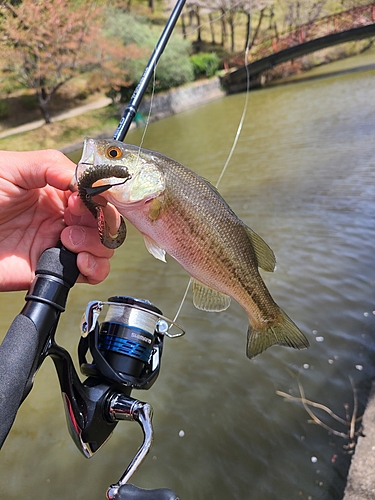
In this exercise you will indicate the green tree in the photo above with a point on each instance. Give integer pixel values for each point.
(174, 67)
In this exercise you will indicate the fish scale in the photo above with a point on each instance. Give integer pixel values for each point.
(180, 213)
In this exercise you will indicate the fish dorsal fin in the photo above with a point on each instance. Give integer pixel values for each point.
(265, 256)
(154, 249)
(208, 299)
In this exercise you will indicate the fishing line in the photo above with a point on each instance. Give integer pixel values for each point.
(182, 300)
(234, 145)
(139, 152)
(149, 111)
(244, 112)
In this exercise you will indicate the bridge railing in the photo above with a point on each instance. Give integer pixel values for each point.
(353, 18)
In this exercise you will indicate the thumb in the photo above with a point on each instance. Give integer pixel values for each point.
(36, 169)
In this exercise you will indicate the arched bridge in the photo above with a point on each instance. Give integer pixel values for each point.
(353, 24)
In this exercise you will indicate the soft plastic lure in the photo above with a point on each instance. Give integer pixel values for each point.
(86, 191)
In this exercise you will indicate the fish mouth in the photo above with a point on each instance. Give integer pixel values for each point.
(93, 190)
(73, 186)
(86, 191)
(96, 190)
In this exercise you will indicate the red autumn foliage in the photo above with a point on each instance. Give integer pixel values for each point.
(47, 43)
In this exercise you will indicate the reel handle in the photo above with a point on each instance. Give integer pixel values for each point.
(131, 492)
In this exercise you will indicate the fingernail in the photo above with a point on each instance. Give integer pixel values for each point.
(91, 261)
(75, 219)
(77, 235)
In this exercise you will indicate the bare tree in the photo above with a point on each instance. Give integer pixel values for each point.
(297, 13)
(232, 12)
(229, 14)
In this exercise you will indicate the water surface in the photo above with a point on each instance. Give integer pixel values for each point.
(303, 177)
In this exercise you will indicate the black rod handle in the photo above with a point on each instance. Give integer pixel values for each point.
(22, 350)
(17, 355)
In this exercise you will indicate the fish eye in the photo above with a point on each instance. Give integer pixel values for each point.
(113, 153)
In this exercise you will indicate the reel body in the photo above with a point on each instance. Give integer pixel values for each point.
(125, 351)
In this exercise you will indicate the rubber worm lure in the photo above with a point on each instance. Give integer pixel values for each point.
(86, 192)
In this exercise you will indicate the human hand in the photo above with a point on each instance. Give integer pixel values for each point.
(36, 209)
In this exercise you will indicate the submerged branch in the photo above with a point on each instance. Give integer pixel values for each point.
(315, 405)
(350, 421)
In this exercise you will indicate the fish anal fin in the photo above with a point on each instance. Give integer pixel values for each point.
(265, 256)
(283, 333)
(208, 299)
(154, 249)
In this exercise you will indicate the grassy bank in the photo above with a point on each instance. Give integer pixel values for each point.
(63, 133)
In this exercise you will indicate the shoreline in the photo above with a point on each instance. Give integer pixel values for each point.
(360, 484)
(166, 104)
(202, 92)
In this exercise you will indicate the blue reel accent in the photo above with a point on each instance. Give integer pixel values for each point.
(125, 346)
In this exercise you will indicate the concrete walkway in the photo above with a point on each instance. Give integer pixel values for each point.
(100, 103)
(361, 478)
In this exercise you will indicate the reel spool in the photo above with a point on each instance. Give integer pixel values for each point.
(127, 347)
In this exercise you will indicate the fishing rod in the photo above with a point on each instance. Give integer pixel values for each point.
(135, 101)
(94, 406)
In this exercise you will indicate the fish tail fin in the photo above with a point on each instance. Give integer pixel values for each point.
(284, 333)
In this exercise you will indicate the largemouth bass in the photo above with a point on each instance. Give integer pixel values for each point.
(180, 213)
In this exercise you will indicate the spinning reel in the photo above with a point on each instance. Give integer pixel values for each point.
(126, 351)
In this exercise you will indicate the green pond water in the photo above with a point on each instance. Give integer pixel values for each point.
(302, 176)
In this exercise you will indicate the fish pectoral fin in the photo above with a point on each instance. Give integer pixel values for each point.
(208, 299)
(265, 256)
(284, 333)
(154, 249)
